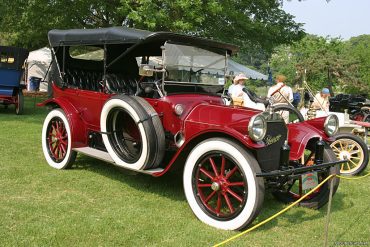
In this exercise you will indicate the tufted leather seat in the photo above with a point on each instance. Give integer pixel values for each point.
(118, 83)
(83, 79)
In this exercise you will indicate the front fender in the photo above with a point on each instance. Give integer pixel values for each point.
(206, 118)
(78, 127)
(301, 133)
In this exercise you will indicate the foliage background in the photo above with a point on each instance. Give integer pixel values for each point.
(267, 36)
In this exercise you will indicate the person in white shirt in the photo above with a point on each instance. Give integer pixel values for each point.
(239, 96)
(231, 87)
(281, 94)
(321, 100)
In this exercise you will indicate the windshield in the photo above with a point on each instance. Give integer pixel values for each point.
(190, 64)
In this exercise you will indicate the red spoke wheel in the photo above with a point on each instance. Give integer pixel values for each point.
(292, 190)
(220, 184)
(56, 140)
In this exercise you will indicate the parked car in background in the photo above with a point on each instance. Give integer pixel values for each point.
(119, 108)
(11, 70)
(357, 106)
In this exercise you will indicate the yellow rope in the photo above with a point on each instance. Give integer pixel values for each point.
(277, 214)
(287, 208)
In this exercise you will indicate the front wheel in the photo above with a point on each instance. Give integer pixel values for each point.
(56, 140)
(293, 189)
(220, 184)
(352, 148)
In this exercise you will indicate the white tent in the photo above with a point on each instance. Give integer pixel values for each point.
(236, 68)
(37, 65)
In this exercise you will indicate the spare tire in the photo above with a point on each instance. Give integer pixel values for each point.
(132, 132)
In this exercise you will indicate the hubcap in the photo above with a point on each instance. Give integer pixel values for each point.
(215, 186)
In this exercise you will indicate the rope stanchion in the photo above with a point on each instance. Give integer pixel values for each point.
(287, 208)
(328, 213)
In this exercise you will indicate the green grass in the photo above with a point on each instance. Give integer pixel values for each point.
(97, 204)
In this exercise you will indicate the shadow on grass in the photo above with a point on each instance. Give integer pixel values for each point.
(343, 235)
(272, 206)
(169, 185)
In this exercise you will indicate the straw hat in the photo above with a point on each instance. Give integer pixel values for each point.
(240, 77)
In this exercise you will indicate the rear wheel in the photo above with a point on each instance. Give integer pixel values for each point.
(56, 140)
(293, 189)
(220, 184)
(352, 148)
(19, 103)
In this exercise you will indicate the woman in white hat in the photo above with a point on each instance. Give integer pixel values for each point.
(240, 96)
(239, 84)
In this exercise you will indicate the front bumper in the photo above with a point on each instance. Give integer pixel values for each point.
(297, 171)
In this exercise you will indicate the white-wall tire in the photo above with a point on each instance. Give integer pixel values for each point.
(223, 151)
(147, 148)
(59, 139)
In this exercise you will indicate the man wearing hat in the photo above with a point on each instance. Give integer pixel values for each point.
(281, 94)
(321, 100)
(284, 94)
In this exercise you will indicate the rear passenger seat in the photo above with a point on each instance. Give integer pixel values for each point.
(83, 79)
(91, 80)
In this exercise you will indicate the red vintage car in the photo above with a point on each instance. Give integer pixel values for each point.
(149, 101)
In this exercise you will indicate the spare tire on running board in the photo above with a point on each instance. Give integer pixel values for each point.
(132, 132)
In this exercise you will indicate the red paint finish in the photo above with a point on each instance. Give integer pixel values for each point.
(219, 118)
(300, 133)
(88, 104)
(202, 114)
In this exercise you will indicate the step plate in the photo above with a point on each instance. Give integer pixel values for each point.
(104, 156)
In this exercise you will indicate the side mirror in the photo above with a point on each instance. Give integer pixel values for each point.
(146, 70)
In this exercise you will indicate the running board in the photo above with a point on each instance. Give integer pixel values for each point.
(104, 156)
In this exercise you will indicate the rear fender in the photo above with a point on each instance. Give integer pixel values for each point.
(77, 125)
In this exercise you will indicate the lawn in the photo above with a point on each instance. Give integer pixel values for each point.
(97, 204)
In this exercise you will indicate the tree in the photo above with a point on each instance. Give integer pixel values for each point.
(359, 48)
(255, 25)
(322, 61)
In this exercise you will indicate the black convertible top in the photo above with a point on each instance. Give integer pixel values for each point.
(124, 35)
(18, 54)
